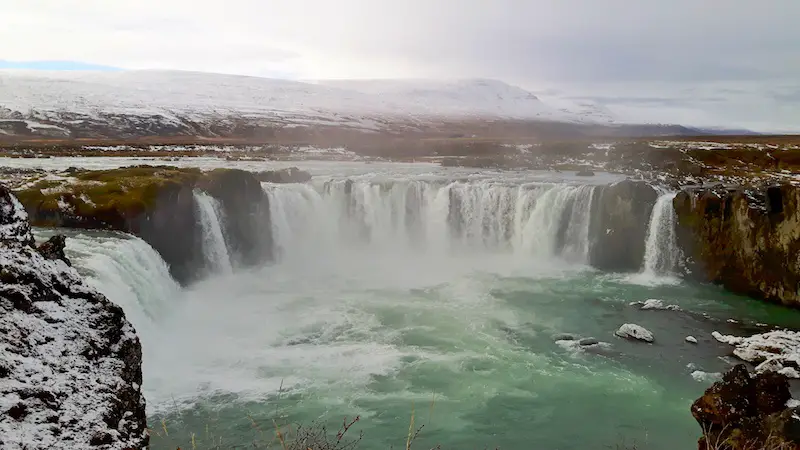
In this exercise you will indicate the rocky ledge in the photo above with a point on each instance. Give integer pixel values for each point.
(743, 412)
(158, 204)
(70, 363)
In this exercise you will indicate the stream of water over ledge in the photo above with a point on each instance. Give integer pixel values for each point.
(379, 306)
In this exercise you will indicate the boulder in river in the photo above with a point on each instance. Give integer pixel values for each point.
(633, 331)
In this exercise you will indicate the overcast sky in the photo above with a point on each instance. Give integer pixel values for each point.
(724, 62)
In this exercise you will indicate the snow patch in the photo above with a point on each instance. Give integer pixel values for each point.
(775, 351)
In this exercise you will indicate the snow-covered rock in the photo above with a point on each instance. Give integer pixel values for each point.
(655, 304)
(70, 363)
(774, 351)
(633, 331)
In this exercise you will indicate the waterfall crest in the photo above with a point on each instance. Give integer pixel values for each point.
(662, 254)
(544, 220)
(125, 269)
(215, 248)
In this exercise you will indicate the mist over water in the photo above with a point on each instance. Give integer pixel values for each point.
(388, 295)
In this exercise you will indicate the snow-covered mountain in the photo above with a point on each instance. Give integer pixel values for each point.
(174, 102)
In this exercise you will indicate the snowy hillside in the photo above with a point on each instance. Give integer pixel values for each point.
(56, 103)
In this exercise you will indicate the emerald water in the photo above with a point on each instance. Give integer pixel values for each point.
(387, 301)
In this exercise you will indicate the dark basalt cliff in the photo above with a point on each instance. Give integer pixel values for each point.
(158, 204)
(747, 240)
(70, 363)
(618, 229)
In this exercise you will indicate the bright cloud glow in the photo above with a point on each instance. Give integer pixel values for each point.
(660, 47)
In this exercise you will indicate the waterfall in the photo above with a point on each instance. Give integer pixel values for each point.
(662, 254)
(215, 249)
(123, 268)
(432, 216)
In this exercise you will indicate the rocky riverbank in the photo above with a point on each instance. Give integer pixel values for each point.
(70, 363)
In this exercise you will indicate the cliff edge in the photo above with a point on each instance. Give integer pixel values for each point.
(70, 363)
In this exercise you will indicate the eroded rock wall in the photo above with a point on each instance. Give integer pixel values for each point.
(746, 240)
(618, 229)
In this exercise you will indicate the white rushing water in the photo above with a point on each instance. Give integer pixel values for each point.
(215, 248)
(125, 269)
(432, 217)
(662, 254)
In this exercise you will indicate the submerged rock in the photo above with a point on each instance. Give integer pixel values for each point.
(564, 337)
(70, 363)
(745, 412)
(774, 351)
(633, 331)
(588, 341)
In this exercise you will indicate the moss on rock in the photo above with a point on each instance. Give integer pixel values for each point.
(157, 204)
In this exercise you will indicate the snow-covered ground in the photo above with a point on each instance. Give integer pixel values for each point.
(775, 351)
(175, 97)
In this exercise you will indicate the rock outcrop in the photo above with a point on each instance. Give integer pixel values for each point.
(158, 204)
(288, 175)
(747, 412)
(621, 214)
(70, 363)
(745, 240)
(246, 207)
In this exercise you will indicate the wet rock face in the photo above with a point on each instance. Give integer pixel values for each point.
(743, 412)
(170, 226)
(158, 205)
(70, 363)
(621, 215)
(246, 208)
(53, 249)
(746, 240)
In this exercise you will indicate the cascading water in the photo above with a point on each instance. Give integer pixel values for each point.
(215, 249)
(540, 220)
(125, 269)
(662, 254)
